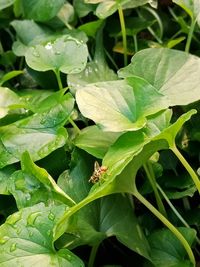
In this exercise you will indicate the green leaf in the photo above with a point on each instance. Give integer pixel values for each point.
(106, 217)
(90, 28)
(33, 185)
(82, 9)
(95, 71)
(118, 106)
(166, 249)
(40, 133)
(166, 70)
(108, 7)
(41, 10)
(8, 76)
(8, 101)
(57, 55)
(5, 174)
(66, 13)
(30, 33)
(95, 141)
(6, 3)
(191, 7)
(27, 238)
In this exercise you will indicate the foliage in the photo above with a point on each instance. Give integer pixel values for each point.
(93, 90)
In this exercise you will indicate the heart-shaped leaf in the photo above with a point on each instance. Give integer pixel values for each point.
(173, 73)
(57, 55)
(26, 238)
(118, 106)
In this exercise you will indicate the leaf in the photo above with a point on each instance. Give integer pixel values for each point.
(30, 33)
(33, 185)
(82, 9)
(166, 249)
(108, 7)
(40, 133)
(166, 70)
(41, 10)
(94, 72)
(106, 217)
(8, 101)
(8, 76)
(66, 13)
(5, 174)
(191, 7)
(57, 56)
(109, 216)
(95, 141)
(90, 28)
(118, 106)
(26, 238)
(6, 3)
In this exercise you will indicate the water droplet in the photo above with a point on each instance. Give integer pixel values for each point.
(32, 217)
(14, 218)
(4, 239)
(36, 54)
(49, 232)
(13, 247)
(51, 216)
(18, 231)
(30, 233)
(57, 53)
(48, 46)
(27, 196)
(69, 257)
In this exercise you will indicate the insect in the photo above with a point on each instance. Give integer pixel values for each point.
(97, 173)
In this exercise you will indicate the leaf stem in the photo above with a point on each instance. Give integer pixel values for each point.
(93, 255)
(187, 166)
(57, 73)
(190, 34)
(151, 177)
(123, 28)
(74, 125)
(135, 42)
(168, 224)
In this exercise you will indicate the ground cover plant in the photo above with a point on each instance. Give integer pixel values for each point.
(99, 133)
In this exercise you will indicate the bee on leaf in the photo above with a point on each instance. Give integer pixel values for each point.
(97, 173)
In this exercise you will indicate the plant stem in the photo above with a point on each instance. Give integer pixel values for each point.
(190, 33)
(123, 28)
(168, 224)
(57, 73)
(187, 166)
(93, 255)
(175, 210)
(135, 43)
(74, 125)
(151, 177)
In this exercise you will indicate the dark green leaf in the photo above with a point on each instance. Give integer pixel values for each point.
(166, 249)
(41, 10)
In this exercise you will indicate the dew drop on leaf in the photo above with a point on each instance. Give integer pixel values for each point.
(30, 234)
(32, 218)
(49, 232)
(48, 46)
(4, 239)
(18, 231)
(51, 216)
(36, 54)
(14, 218)
(13, 247)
